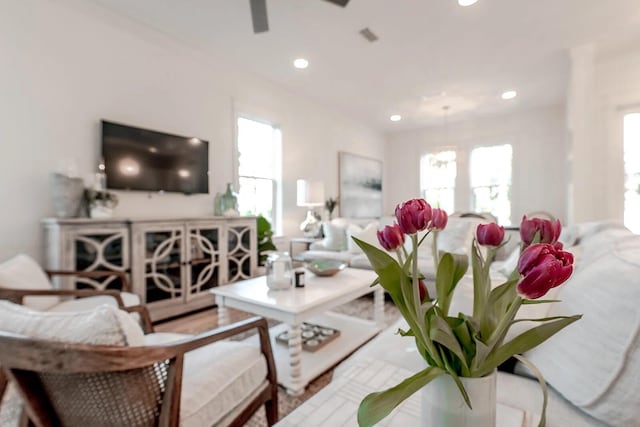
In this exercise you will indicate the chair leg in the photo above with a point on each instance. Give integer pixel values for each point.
(271, 408)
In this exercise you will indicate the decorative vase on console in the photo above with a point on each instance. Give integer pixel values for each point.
(229, 202)
(67, 195)
(462, 351)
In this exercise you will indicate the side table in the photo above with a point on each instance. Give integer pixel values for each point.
(306, 241)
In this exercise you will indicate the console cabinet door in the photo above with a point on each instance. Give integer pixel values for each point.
(204, 266)
(158, 260)
(88, 248)
(242, 246)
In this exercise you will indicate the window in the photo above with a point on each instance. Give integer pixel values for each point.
(632, 172)
(259, 170)
(438, 179)
(491, 181)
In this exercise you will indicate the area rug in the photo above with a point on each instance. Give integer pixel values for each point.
(361, 307)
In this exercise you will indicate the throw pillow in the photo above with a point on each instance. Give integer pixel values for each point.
(104, 325)
(22, 272)
(335, 237)
(595, 362)
(369, 234)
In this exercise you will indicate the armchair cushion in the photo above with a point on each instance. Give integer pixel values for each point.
(22, 272)
(105, 325)
(217, 378)
(89, 303)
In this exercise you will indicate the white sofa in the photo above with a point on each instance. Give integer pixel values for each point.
(337, 243)
(592, 366)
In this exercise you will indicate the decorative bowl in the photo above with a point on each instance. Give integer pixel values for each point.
(325, 267)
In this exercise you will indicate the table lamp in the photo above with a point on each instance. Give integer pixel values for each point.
(310, 194)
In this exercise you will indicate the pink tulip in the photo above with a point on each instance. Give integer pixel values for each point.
(422, 289)
(490, 234)
(439, 219)
(549, 230)
(543, 267)
(391, 237)
(413, 215)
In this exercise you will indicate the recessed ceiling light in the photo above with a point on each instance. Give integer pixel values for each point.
(510, 94)
(467, 2)
(395, 118)
(301, 63)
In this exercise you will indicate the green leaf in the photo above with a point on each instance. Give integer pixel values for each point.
(539, 301)
(462, 332)
(499, 299)
(388, 270)
(524, 342)
(399, 286)
(543, 386)
(480, 282)
(444, 277)
(450, 270)
(539, 319)
(441, 332)
(404, 333)
(378, 405)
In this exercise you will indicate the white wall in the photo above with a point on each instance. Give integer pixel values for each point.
(539, 159)
(610, 82)
(66, 64)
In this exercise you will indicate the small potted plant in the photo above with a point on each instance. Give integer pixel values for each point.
(265, 243)
(100, 203)
(330, 204)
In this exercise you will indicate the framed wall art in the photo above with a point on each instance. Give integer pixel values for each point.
(360, 186)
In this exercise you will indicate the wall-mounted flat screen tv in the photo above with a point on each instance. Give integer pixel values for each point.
(147, 160)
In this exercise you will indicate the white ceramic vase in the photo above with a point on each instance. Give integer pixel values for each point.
(443, 405)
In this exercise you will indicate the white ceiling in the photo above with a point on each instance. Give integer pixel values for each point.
(430, 52)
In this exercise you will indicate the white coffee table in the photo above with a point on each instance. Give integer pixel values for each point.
(296, 368)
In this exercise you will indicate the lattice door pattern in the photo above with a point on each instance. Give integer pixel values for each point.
(101, 251)
(163, 265)
(239, 253)
(204, 259)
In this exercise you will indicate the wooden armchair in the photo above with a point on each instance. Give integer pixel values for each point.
(65, 384)
(23, 281)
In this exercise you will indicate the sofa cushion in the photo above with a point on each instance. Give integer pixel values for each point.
(22, 272)
(312, 255)
(595, 362)
(335, 237)
(368, 234)
(217, 378)
(105, 325)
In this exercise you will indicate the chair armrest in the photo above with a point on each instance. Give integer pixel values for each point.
(93, 274)
(147, 326)
(17, 295)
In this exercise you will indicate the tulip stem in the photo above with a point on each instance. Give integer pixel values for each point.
(419, 316)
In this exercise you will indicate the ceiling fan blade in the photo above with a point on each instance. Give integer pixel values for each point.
(342, 3)
(259, 16)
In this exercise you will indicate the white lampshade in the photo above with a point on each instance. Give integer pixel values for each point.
(310, 193)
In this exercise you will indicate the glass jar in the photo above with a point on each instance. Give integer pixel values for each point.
(279, 270)
(229, 201)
